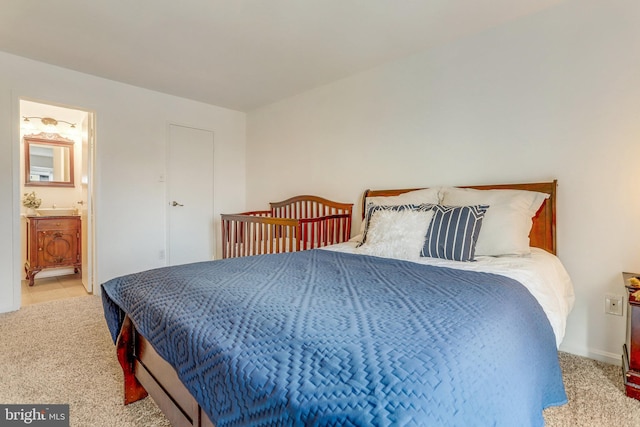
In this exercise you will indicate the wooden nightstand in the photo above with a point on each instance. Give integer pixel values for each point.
(631, 348)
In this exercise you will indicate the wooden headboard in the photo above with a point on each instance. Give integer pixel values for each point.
(543, 231)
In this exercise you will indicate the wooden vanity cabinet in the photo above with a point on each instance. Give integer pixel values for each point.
(52, 242)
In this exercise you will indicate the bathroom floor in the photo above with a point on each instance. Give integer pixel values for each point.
(52, 288)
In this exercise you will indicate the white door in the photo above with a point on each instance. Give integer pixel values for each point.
(86, 211)
(190, 195)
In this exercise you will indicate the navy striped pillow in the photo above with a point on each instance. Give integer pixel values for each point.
(453, 232)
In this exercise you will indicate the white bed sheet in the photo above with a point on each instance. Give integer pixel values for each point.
(541, 273)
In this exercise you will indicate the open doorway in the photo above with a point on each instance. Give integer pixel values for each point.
(57, 230)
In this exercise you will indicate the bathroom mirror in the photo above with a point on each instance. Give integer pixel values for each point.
(48, 161)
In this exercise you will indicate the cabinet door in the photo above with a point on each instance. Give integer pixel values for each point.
(633, 332)
(57, 247)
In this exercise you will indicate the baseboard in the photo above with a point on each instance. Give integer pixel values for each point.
(55, 272)
(600, 355)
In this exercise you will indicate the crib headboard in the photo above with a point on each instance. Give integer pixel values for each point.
(543, 231)
(307, 206)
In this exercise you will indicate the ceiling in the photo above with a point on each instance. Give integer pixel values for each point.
(240, 54)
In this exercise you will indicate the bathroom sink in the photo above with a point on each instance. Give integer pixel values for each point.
(56, 211)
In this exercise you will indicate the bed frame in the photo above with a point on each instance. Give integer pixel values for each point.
(146, 373)
(295, 224)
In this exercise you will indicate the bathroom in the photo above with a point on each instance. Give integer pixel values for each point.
(55, 174)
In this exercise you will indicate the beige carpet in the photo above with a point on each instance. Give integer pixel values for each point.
(61, 352)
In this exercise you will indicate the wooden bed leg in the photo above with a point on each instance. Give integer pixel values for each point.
(125, 345)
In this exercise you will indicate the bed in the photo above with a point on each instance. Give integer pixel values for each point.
(336, 336)
(296, 224)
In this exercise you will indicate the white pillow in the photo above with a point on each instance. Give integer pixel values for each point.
(396, 233)
(415, 197)
(506, 224)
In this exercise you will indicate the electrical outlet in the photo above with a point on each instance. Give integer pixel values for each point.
(613, 304)
(161, 254)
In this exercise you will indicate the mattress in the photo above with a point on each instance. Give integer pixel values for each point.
(541, 272)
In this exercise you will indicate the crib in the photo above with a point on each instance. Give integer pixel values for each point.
(296, 224)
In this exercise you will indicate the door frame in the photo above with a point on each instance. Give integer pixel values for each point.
(17, 197)
(92, 261)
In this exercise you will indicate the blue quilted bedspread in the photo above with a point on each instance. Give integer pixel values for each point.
(327, 338)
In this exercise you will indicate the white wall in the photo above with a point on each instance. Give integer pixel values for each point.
(131, 136)
(554, 95)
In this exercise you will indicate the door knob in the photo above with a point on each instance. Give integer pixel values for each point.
(174, 203)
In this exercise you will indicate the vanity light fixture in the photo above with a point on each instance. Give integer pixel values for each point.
(49, 123)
